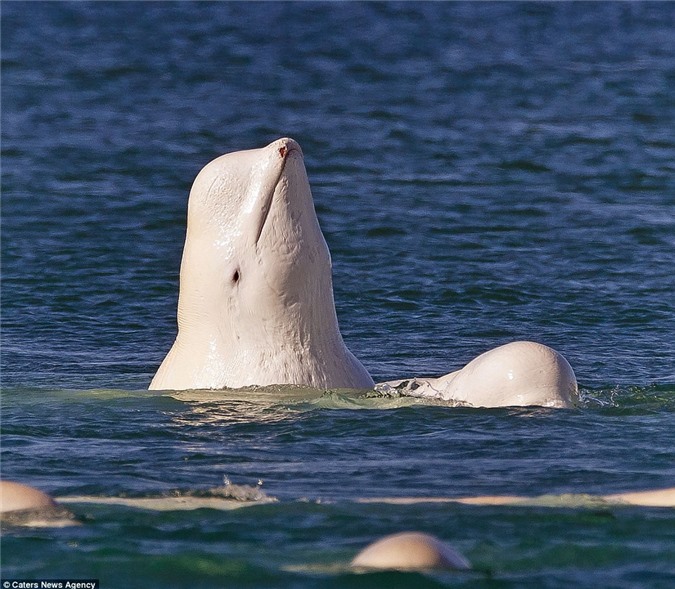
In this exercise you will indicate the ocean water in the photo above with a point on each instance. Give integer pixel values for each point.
(482, 172)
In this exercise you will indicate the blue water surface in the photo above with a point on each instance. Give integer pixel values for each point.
(482, 172)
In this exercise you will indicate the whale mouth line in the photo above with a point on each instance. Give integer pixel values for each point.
(265, 213)
(284, 152)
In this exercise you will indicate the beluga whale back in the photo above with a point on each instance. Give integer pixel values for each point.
(256, 305)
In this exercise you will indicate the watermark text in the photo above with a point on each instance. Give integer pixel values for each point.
(49, 584)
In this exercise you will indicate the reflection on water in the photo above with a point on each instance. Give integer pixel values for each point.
(278, 403)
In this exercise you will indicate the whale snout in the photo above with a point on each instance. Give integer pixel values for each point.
(285, 146)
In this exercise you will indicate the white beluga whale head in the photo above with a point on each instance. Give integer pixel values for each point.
(256, 297)
(517, 374)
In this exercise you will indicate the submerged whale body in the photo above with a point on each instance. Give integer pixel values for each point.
(256, 305)
(409, 551)
(19, 497)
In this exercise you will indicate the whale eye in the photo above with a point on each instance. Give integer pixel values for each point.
(236, 276)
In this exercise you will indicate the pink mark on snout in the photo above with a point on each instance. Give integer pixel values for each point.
(283, 150)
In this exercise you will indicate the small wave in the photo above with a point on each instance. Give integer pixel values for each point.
(223, 497)
(630, 398)
(229, 490)
(50, 517)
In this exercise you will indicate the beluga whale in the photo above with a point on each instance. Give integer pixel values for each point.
(255, 305)
(256, 308)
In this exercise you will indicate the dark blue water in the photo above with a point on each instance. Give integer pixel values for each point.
(483, 172)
